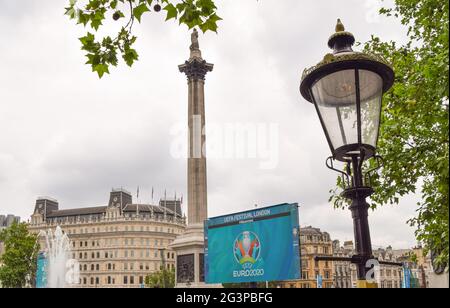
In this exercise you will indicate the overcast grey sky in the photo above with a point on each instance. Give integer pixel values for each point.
(66, 134)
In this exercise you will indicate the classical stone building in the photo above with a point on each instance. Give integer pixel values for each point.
(116, 245)
(313, 242)
(342, 274)
(388, 276)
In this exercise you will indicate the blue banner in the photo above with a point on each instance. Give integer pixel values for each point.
(252, 246)
(319, 281)
(406, 277)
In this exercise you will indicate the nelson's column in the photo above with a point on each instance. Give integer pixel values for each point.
(190, 245)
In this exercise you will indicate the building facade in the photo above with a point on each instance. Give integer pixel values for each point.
(389, 276)
(313, 242)
(116, 245)
(342, 274)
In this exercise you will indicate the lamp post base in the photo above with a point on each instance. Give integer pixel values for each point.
(364, 284)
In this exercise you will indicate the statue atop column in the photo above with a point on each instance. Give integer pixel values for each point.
(195, 48)
(194, 41)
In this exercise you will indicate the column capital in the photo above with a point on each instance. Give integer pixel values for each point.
(196, 68)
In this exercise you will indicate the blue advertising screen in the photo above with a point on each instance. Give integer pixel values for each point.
(252, 246)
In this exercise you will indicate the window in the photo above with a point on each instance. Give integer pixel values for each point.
(131, 279)
(93, 255)
(305, 275)
(97, 280)
(109, 280)
(92, 280)
(84, 280)
(109, 266)
(141, 280)
(92, 267)
(81, 255)
(125, 279)
(97, 267)
(85, 267)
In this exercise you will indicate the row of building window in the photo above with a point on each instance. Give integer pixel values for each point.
(326, 275)
(126, 254)
(116, 242)
(126, 266)
(118, 229)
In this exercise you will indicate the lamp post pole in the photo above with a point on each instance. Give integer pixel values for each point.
(357, 194)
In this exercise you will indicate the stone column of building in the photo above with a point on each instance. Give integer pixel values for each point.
(190, 245)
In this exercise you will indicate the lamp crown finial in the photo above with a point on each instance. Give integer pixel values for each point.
(339, 26)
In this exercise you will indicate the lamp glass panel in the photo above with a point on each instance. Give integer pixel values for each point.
(371, 92)
(335, 97)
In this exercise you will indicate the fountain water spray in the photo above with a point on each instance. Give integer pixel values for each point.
(60, 268)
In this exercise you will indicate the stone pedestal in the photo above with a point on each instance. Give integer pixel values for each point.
(189, 247)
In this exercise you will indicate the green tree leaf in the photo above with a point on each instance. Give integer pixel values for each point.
(139, 10)
(20, 257)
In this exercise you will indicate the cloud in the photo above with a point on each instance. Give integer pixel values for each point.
(67, 134)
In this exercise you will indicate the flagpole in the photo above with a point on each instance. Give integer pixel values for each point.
(165, 199)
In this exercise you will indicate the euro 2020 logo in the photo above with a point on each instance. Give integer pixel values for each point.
(247, 248)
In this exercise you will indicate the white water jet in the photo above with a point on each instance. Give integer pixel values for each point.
(57, 255)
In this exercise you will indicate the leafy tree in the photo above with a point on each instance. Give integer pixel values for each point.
(413, 137)
(162, 279)
(103, 52)
(20, 257)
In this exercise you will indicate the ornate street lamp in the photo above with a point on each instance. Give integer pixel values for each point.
(346, 88)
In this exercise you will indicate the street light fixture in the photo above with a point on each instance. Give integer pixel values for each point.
(346, 88)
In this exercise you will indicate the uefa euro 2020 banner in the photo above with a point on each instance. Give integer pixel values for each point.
(252, 246)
